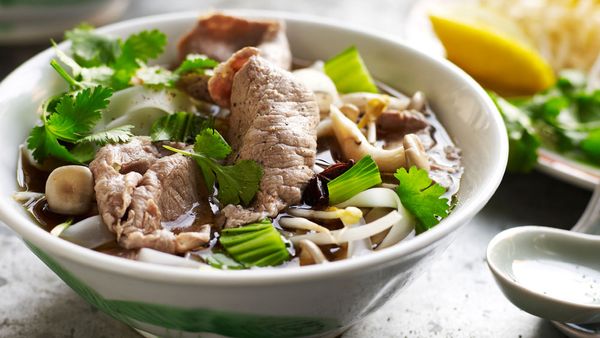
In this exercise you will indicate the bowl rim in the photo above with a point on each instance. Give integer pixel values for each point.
(269, 276)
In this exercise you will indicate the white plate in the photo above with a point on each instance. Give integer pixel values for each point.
(418, 33)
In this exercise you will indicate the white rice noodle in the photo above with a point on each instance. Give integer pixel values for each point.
(157, 257)
(385, 198)
(89, 233)
(361, 246)
(140, 106)
(352, 234)
(301, 223)
(26, 196)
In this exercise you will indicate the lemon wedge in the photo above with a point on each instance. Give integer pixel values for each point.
(492, 49)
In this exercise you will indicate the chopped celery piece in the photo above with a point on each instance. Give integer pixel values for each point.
(361, 176)
(349, 73)
(257, 244)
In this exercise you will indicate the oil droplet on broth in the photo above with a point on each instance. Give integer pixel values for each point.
(565, 281)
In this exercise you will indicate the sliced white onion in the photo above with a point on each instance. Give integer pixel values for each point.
(385, 198)
(325, 128)
(301, 223)
(140, 106)
(157, 257)
(352, 234)
(89, 233)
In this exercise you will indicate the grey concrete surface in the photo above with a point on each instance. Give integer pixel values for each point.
(456, 297)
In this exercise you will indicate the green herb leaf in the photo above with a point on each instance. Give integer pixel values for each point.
(195, 63)
(120, 134)
(349, 73)
(591, 146)
(44, 144)
(181, 126)
(421, 197)
(138, 47)
(210, 143)
(257, 244)
(90, 49)
(76, 116)
(522, 138)
(237, 183)
(361, 176)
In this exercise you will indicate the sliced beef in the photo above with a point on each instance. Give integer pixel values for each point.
(218, 36)
(273, 121)
(140, 189)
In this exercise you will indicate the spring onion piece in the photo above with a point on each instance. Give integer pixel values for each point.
(349, 72)
(363, 175)
(257, 244)
(223, 262)
(181, 126)
(353, 234)
(57, 230)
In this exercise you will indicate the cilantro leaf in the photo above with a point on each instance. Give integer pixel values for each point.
(119, 134)
(237, 183)
(421, 197)
(210, 143)
(180, 126)
(138, 47)
(195, 63)
(44, 144)
(523, 140)
(90, 49)
(76, 116)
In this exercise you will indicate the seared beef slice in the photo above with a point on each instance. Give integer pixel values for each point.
(273, 121)
(218, 36)
(139, 193)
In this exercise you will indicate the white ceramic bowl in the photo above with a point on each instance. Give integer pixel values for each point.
(308, 301)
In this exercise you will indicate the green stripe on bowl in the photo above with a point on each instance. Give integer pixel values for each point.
(192, 320)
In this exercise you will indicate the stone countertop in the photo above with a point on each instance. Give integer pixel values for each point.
(455, 297)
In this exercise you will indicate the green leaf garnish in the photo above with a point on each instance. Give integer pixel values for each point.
(257, 244)
(120, 134)
(181, 126)
(237, 183)
(139, 47)
(349, 73)
(195, 63)
(361, 176)
(90, 49)
(421, 197)
(522, 138)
